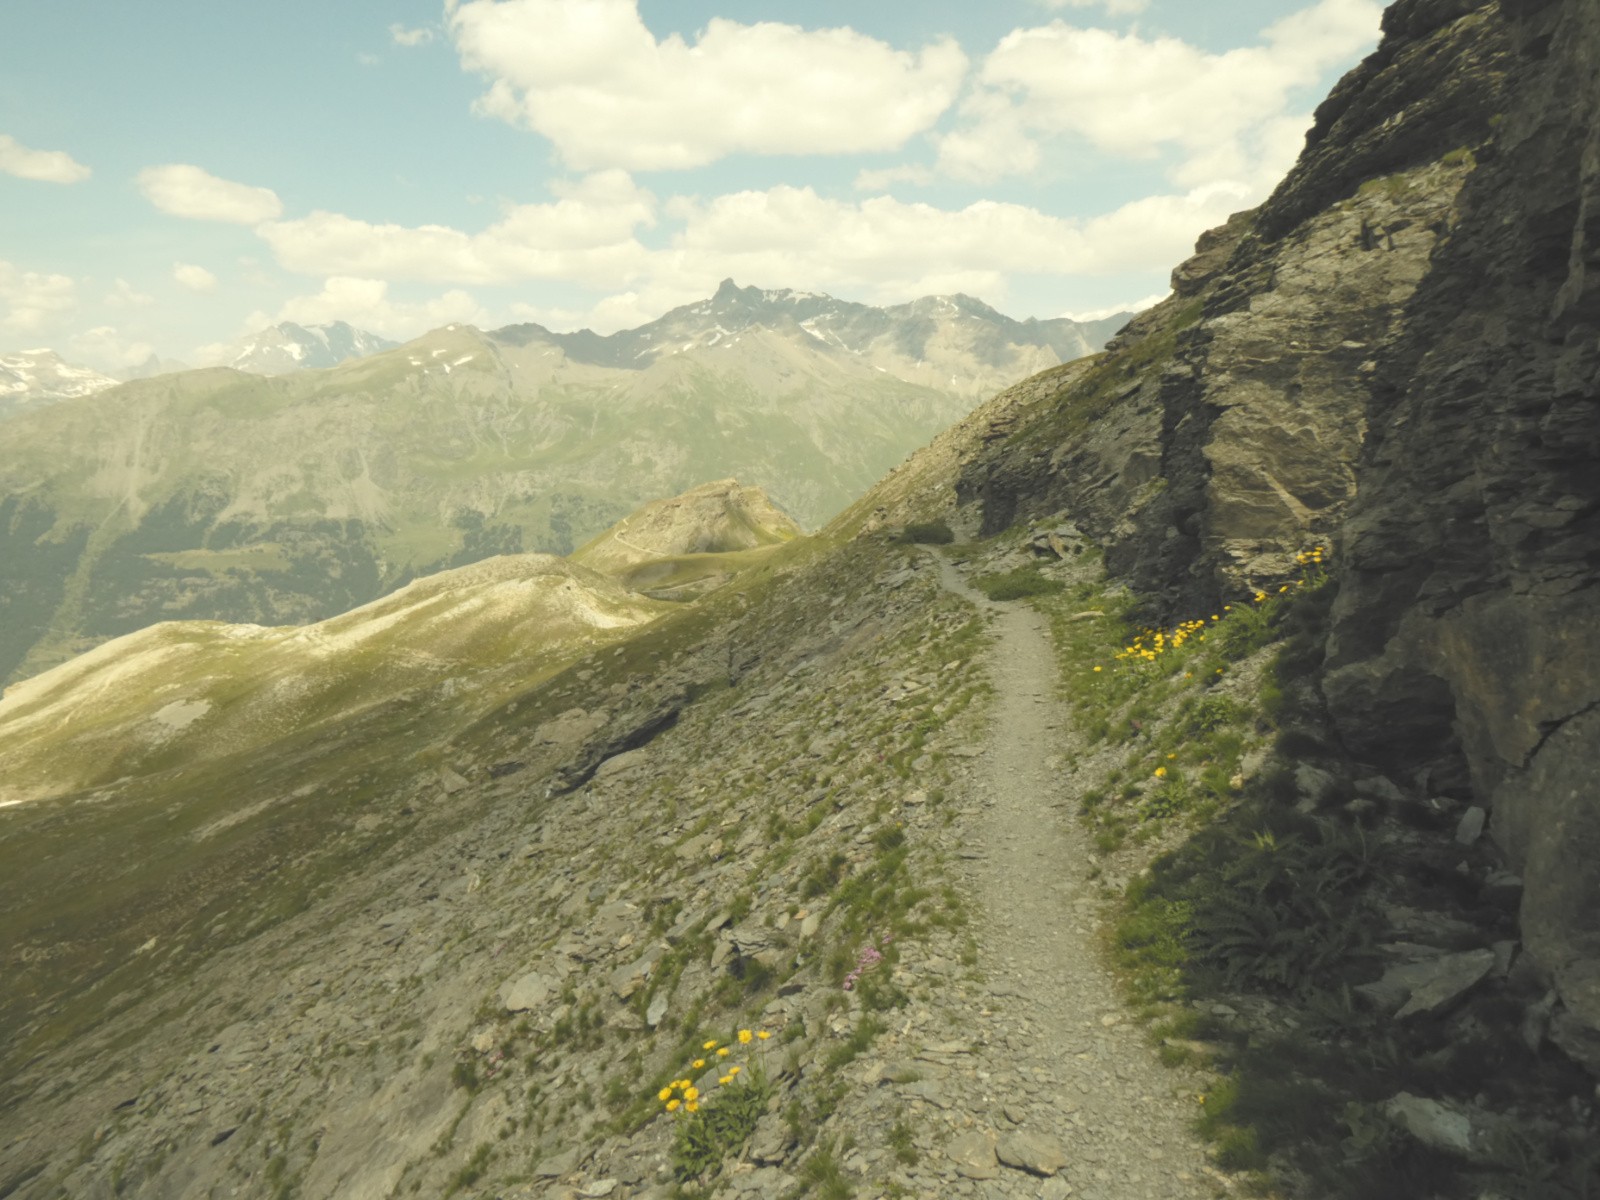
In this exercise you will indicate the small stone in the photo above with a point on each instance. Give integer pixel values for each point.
(657, 1010)
(525, 992)
(1470, 828)
(973, 1155)
(1448, 978)
(598, 1189)
(557, 1165)
(1435, 1125)
(772, 1141)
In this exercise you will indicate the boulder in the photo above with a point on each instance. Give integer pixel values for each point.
(1034, 1153)
(527, 991)
(973, 1155)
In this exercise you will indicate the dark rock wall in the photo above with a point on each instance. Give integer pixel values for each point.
(1467, 631)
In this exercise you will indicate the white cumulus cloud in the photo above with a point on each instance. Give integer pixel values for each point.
(1114, 8)
(1225, 116)
(589, 75)
(106, 349)
(1111, 310)
(31, 301)
(366, 304)
(46, 166)
(892, 251)
(401, 36)
(124, 295)
(184, 190)
(195, 278)
(879, 248)
(586, 234)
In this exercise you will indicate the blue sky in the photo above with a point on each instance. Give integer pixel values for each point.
(175, 174)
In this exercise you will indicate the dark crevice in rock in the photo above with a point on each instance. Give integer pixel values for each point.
(1551, 728)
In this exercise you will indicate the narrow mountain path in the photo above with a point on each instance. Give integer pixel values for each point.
(1121, 1119)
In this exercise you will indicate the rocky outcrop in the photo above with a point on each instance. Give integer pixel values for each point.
(714, 518)
(1220, 435)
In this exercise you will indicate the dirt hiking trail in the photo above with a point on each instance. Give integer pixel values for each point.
(1121, 1119)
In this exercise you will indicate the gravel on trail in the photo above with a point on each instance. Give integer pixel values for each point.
(1070, 1072)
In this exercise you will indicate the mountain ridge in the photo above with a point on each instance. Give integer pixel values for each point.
(216, 494)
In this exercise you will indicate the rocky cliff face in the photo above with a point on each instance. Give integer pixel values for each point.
(1396, 354)
(1467, 631)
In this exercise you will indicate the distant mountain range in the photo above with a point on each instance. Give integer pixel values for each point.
(216, 494)
(30, 378)
(950, 343)
(287, 347)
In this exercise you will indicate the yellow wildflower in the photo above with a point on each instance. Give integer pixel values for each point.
(691, 1106)
(732, 1071)
(711, 1045)
(744, 1037)
(723, 1052)
(664, 1094)
(763, 1035)
(724, 1079)
(1097, 670)
(691, 1093)
(1161, 772)
(672, 1105)
(699, 1064)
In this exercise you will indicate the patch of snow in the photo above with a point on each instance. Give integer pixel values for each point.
(180, 714)
(465, 358)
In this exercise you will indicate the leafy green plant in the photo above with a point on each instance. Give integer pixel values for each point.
(1017, 585)
(928, 533)
(1287, 913)
(822, 1175)
(900, 1141)
(709, 1127)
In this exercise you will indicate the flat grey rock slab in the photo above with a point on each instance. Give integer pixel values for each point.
(1034, 1153)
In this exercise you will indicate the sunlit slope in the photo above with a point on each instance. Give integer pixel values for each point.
(179, 693)
(687, 545)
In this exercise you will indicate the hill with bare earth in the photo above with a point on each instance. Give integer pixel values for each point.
(1277, 776)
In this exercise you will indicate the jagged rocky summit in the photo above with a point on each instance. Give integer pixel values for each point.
(286, 346)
